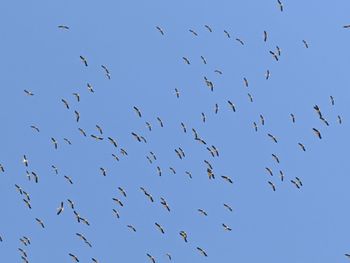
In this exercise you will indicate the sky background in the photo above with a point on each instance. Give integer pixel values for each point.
(310, 224)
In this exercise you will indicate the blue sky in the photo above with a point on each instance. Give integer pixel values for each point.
(309, 224)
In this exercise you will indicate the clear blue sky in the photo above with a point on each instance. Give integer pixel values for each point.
(310, 224)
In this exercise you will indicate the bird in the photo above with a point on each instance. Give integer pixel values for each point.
(281, 175)
(84, 61)
(210, 174)
(339, 119)
(159, 171)
(60, 209)
(103, 171)
(186, 60)
(36, 177)
(232, 105)
(265, 36)
(193, 32)
(318, 110)
(202, 212)
(275, 157)
(160, 30)
(160, 228)
(2, 168)
(82, 131)
(298, 181)
(189, 174)
(262, 119)
(209, 28)
(228, 179)
(280, 5)
(246, 84)
(160, 122)
(305, 43)
(255, 126)
(25, 160)
(204, 60)
(151, 258)
(267, 74)
(29, 93)
(68, 141)
(65, 103)
(165, 204)
(54, 142)
(274, 55)
(250, 97)
(122, 191)
(116, 213)
(40, 222)
(68, 179)
(115, 157)
(106, 71)
(77, 116)
(27, 203)
(183, 234)
(137, 111)
(295, 183)
(302, 146)
(317, 133)
(218, 71)
(216, 108)
(153, 155)
(77, 96)
(63, 27)
(203, 117)
(346, 26)
(226, 227)
(149, 126)
(177, 93)
(113, 141)
(240, 41)
(293, 117)
(94, 260)
(118, 201)
(98, 138)
(168, 255)
(173, 170)
(89, 87)
(99, 129)
(332, 100)
(71, 203)
(202, 251)
(35, 128)
(269, 171)
(272, 185)
(227, 34)
(228, 207)
(272, 137)
(74, 257)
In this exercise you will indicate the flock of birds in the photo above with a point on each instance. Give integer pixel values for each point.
(209, 169)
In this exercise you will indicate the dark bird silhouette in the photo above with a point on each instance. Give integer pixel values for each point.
(160, 30)
(84, 60)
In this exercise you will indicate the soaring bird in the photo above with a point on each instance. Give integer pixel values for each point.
(203, 117)
(228, 207)
(209, 28)
(318, 110)
(226, 178)
(2, 168)
(265, 36)
(65, 103)
(63, 27)
(272, 185)
(346, 26)
(67, 141)
(99, 129)
(177, 93)
(89, 87)
(201, 250)
(276, 158)
(227, 34)
(183, 127)
(250, 97)
(149, 126)
(267, 74)
(159, 171)
(160, 30)
(147, 194)
(35, 128)
(339, 119)
(203, 59)
(118, 201)
(25, 160)
(232, 105)
(151, 258)
(40, 222)
(54, 142)
(302, 146)
(74, 257)
(240, 41)
(77, 116)
(71, 203)
(280, 5)
(94, 260)
(317, 133)
(298, 181)
(84, 61)
(160, 228)
(164, 203)
(255, 126)
(60, 209)
(305, 43)
(216, 108)
(160, 122)
(29, 93)
(281, 175)
(27, 203)
(178, 154)
(186, 60)
(77, 96)
(68, 179)
(269, 171)
(210, 174)
(226, 227)
(274, 55)
(82, 131)
(173, 170)
(332, 100)
(137, 111)
(106, 71)
(183, 234)
(246, 84)
(293, 117)
(262, 119)
(272, 137)
(103, 171)
(189, 174)
(193, 32)
(295, 183)
(202, 212)
(113, 141)
(116, 213)
(209, 165)
(122, 191)
(168, 255)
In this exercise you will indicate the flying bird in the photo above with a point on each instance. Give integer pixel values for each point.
(77, 96)
(60, 209)
(232, 106)
(202, 212)
(227, 34)
(226, 178)
(317, 133)
(183, 234)
(35, 128)
(280, 5)
(305, 43)
(293, 117)
(246, 84)
(209, 28)
(151, 258)
(193, 32)
(186, 60)
(202, 251)
(228, 207)
(29, 93)
(226, 227)
(274, 55)
(265, 36)
(160, 122)
(240, 41)
(272, 185)
(40, 222)
(54, 142)
(84, 61)
(302, 146)
(159, 227)
(332, 100)
(63, 27)
(164, 203)
(177, 93)
(203, 59)
(74, 257)
(272, 137)
(267, 74)
(160, 30)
